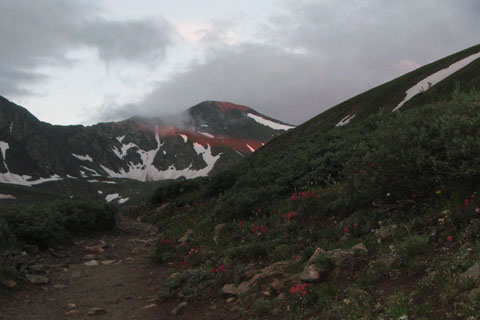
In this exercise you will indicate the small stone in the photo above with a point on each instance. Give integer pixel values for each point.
(179, 308)
(51, 299)
(89, 257)
(149, 306)
(35, 279)
(360, 247)
(107, 262)
(129, 259)
(71, 306)
(70, 312)
(213, 307)
(37, 268)
(96, 311)
(60, 286)
(7, 283)
(94, 249)
(230, 300)
(76, 275)
(91, 263)
(230, 289)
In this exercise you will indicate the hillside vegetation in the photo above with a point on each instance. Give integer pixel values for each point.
(379, 219)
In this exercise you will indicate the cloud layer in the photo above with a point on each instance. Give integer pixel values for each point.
(41, 33)
(311, 55)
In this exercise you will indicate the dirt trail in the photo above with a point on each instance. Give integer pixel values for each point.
(123, 288)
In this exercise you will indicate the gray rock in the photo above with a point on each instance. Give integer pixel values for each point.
(360, 247)
(315, 255)
(339, 256)
(311, 273)
(37, 268)
(91, 263)
(230, 289)
(179, 308)
(188, 236)
(7, 283)
(36, 279)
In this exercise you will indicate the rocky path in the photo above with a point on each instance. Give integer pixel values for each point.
(108, 277)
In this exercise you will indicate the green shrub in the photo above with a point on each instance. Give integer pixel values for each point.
(53, 223)
(261, 307)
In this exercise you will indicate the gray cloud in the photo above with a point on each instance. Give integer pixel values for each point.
(314, 54)
(35, 34)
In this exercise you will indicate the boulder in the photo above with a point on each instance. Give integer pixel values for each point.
(311, 273)
(315, 255)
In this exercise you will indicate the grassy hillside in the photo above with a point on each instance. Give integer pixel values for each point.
(378, 219)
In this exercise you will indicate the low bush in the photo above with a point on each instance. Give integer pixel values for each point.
(53, 223)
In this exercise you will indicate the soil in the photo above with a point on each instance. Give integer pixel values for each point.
(124, 289)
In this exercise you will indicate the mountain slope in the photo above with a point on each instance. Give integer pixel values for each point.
(206, 138)
(372, 218)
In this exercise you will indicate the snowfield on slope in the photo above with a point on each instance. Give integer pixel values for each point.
(435, 78)
(345, 120)
(146, 171)
(269, 123)
(13, 178)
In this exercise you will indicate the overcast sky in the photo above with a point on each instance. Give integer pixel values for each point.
(82, 61)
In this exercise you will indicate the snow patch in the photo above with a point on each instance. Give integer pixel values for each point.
(120, 138)
(7, 197)
(83, 158)
(206, 134)
(146, 171)
(345, 120)
(164, 152)
(93, 172)
(4, 147)
(13, 178)
(184, 137)
(204, 125)
(11, 127)
(93, 181)
(100, 192)
(435, 78)
(111, 197)
(123, 200)
(269, 123)
(70, 177)
(250, 148)
(122, 153)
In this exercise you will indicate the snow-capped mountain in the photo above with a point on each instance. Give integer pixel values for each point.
(206, 138)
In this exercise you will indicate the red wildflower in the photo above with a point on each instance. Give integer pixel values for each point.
(355, 225)
(299, 288)
(346, 230)
(240, 224)
(449, 238)
(466, 202)
(263, 229)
